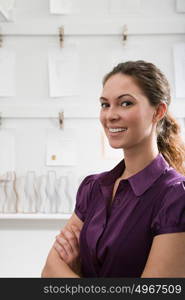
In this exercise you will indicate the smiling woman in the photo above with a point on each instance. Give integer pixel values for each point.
(130, 221)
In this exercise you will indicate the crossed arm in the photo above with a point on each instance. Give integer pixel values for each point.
(64, 257)
(166, 257)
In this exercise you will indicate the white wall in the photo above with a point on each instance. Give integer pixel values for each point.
(153, 29)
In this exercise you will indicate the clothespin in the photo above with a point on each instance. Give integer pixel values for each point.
(61, 119)
(61, 36)
(125, 34)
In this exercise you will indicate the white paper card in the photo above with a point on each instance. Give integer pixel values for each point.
(179, 67)
(61, 7)
(7, 73)
(108, 151)
(123, 7)
(7, 151)
(6, 8)
(61, 147)
(180, 6)
(64, 71)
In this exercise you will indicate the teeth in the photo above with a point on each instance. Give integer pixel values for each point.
(117, 129)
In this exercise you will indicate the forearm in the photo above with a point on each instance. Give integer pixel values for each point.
(55, 267)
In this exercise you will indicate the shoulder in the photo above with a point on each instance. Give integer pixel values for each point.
(170, 214)
(171, 182)
(178, 188)
(174, 190)
(171, 176)
(90, 180)
(175, 184)
(84, 198)
(174, 200)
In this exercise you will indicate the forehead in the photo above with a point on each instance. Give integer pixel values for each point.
(121, 83)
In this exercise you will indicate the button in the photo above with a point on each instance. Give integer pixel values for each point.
(118, 200)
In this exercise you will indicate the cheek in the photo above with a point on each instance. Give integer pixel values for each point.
(132, 118)
(139, 118)
(148, 117)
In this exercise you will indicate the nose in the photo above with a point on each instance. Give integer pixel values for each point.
(112, 114)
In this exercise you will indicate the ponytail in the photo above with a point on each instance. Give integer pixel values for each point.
(170, 143)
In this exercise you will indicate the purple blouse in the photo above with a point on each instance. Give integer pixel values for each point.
(116, 237)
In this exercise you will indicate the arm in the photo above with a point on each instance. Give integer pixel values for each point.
(166, 257)
(55, 266)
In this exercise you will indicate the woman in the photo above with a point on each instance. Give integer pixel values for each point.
(131, 220)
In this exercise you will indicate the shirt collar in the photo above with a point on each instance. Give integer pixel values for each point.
(141, 181)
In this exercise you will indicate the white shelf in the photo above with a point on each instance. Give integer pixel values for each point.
(34, 216)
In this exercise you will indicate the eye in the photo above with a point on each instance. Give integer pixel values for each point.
(126, 103)
(104, 104)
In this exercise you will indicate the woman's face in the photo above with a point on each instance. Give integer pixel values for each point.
(126, 114)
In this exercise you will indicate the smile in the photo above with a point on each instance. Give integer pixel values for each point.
(117, 129)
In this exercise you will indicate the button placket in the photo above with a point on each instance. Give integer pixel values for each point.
(98, 223)
(121, 192)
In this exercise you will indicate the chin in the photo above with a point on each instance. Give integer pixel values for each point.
(116, 146)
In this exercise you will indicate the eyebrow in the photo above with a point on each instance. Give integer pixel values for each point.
(119, 97)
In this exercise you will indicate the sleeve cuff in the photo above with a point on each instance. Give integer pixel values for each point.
(79, 215)
(170, 229)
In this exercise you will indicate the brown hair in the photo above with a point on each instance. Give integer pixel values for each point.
(156, 87)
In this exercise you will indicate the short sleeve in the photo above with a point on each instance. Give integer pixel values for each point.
(82, 197)
(171, 215)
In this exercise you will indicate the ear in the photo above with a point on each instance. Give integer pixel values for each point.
(159, 112)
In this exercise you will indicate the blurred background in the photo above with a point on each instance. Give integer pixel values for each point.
(53, 56)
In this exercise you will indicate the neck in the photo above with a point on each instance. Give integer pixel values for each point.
(137, 158)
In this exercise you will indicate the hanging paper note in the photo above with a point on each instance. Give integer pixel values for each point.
(7, 150)
(6, 9)
(61, 7)
(7, 73)
(60, 147)
(179, 67)
(180, 6)
(123, 7)
(64, 72)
